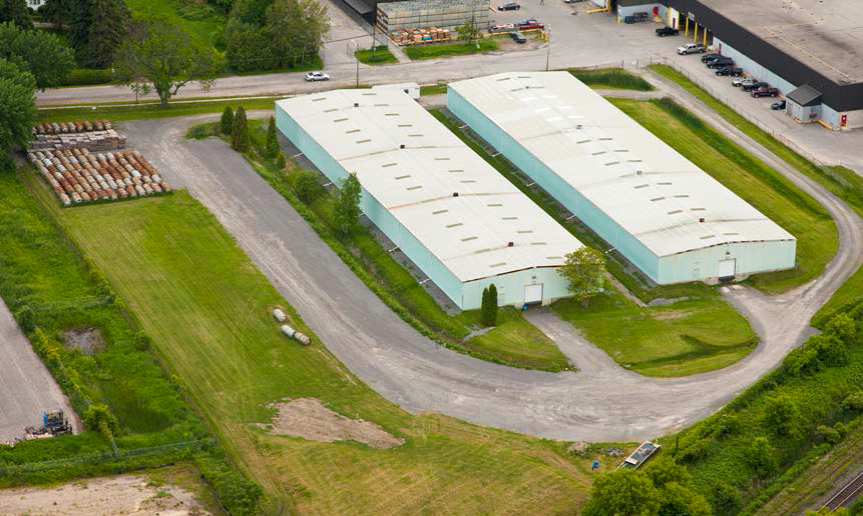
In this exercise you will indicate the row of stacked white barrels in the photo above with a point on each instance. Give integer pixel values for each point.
(78, 176)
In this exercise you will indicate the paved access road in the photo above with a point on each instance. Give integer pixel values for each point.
(602, 402)
(26, 386)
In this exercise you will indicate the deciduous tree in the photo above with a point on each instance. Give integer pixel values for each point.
(161, 56)
(308, 186)
(760, 457)
(781, 416)
(295, 30)
(347, 210)
(17, 109)
(40, 53)
(622, 493)
(585, 270)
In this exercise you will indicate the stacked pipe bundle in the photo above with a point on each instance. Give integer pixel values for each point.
(96, 135)
(77, 176)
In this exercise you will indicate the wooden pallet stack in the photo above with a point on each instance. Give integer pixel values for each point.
(96, 135)
(77, 176)
(419, 36)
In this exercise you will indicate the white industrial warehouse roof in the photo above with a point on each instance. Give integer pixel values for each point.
(364, 131)
(632, 176)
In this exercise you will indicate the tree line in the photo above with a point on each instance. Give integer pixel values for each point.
(274, 34)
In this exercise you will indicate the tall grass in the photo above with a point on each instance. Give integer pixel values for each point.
(612, 78)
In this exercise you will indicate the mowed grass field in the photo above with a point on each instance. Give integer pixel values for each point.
(206, 308)
(753, 181)
(688, 337)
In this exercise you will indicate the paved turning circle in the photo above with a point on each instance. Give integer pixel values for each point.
(601, 402)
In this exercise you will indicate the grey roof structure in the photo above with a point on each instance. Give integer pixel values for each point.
(665, 201)
(474, 221)
(805, 96)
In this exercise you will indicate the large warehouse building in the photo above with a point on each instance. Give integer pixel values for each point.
(811, 50)
(661, 212)
(450, 212)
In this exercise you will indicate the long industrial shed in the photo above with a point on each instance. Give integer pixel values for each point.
(452, 214)
(664, 214)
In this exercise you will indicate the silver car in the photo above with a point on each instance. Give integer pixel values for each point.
(317, 76)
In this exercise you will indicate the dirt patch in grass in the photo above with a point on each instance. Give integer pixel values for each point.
(671, 315)
(310, 419)
(88, 341)
(125, 494)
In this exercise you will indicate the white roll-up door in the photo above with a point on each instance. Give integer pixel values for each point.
(727, 268)
(533, 293)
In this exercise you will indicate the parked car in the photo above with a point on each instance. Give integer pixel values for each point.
(529, 25)
(753, 85)
(721, 62)
(729, 70)
(691, 48)
(518, 37)
(765, 91)
(776, 106)
(667, 31)
(317, 76)
(739, 82)
(511, 6)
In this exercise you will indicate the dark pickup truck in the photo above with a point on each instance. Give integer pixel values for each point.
(754, 85)
(765, 91)
(722, 62)
(667, 31)
(730, 70)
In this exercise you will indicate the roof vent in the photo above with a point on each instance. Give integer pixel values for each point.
(510, 244)
(455, 194)
(701, 219)
(356, 104)
(638, 173)
(402, 146)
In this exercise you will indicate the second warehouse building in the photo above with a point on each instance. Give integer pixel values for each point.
(661, 212)
(462, 223)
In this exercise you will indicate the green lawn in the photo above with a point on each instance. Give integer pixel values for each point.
(433, 89)
(436, 50)
(132, 112)
(698, 335)
(611, 79)
(380, 55)
(686, 338)
(207, 308)
(750, 179)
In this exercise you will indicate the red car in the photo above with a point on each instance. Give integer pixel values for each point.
(765, 92)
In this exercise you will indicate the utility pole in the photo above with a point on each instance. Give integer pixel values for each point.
(547, 47)
(357, 45)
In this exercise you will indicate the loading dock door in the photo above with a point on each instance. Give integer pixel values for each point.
(533, 294)
(727, 268)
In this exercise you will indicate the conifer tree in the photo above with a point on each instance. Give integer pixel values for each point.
(227, 120)
(272, 140)
(240, 131)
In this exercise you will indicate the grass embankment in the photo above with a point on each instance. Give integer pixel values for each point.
(816, 383)
(753, 181)
(379, 55)
(202, 21)
(432, 89)
(133, 112)
(207, 309)
(514, 341)
(51, 288)
(844, 183)
(436, 50)
(611, 79)
(702, 334)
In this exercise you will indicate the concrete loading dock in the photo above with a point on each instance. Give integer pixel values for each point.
(450, 212)
(657, 209)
